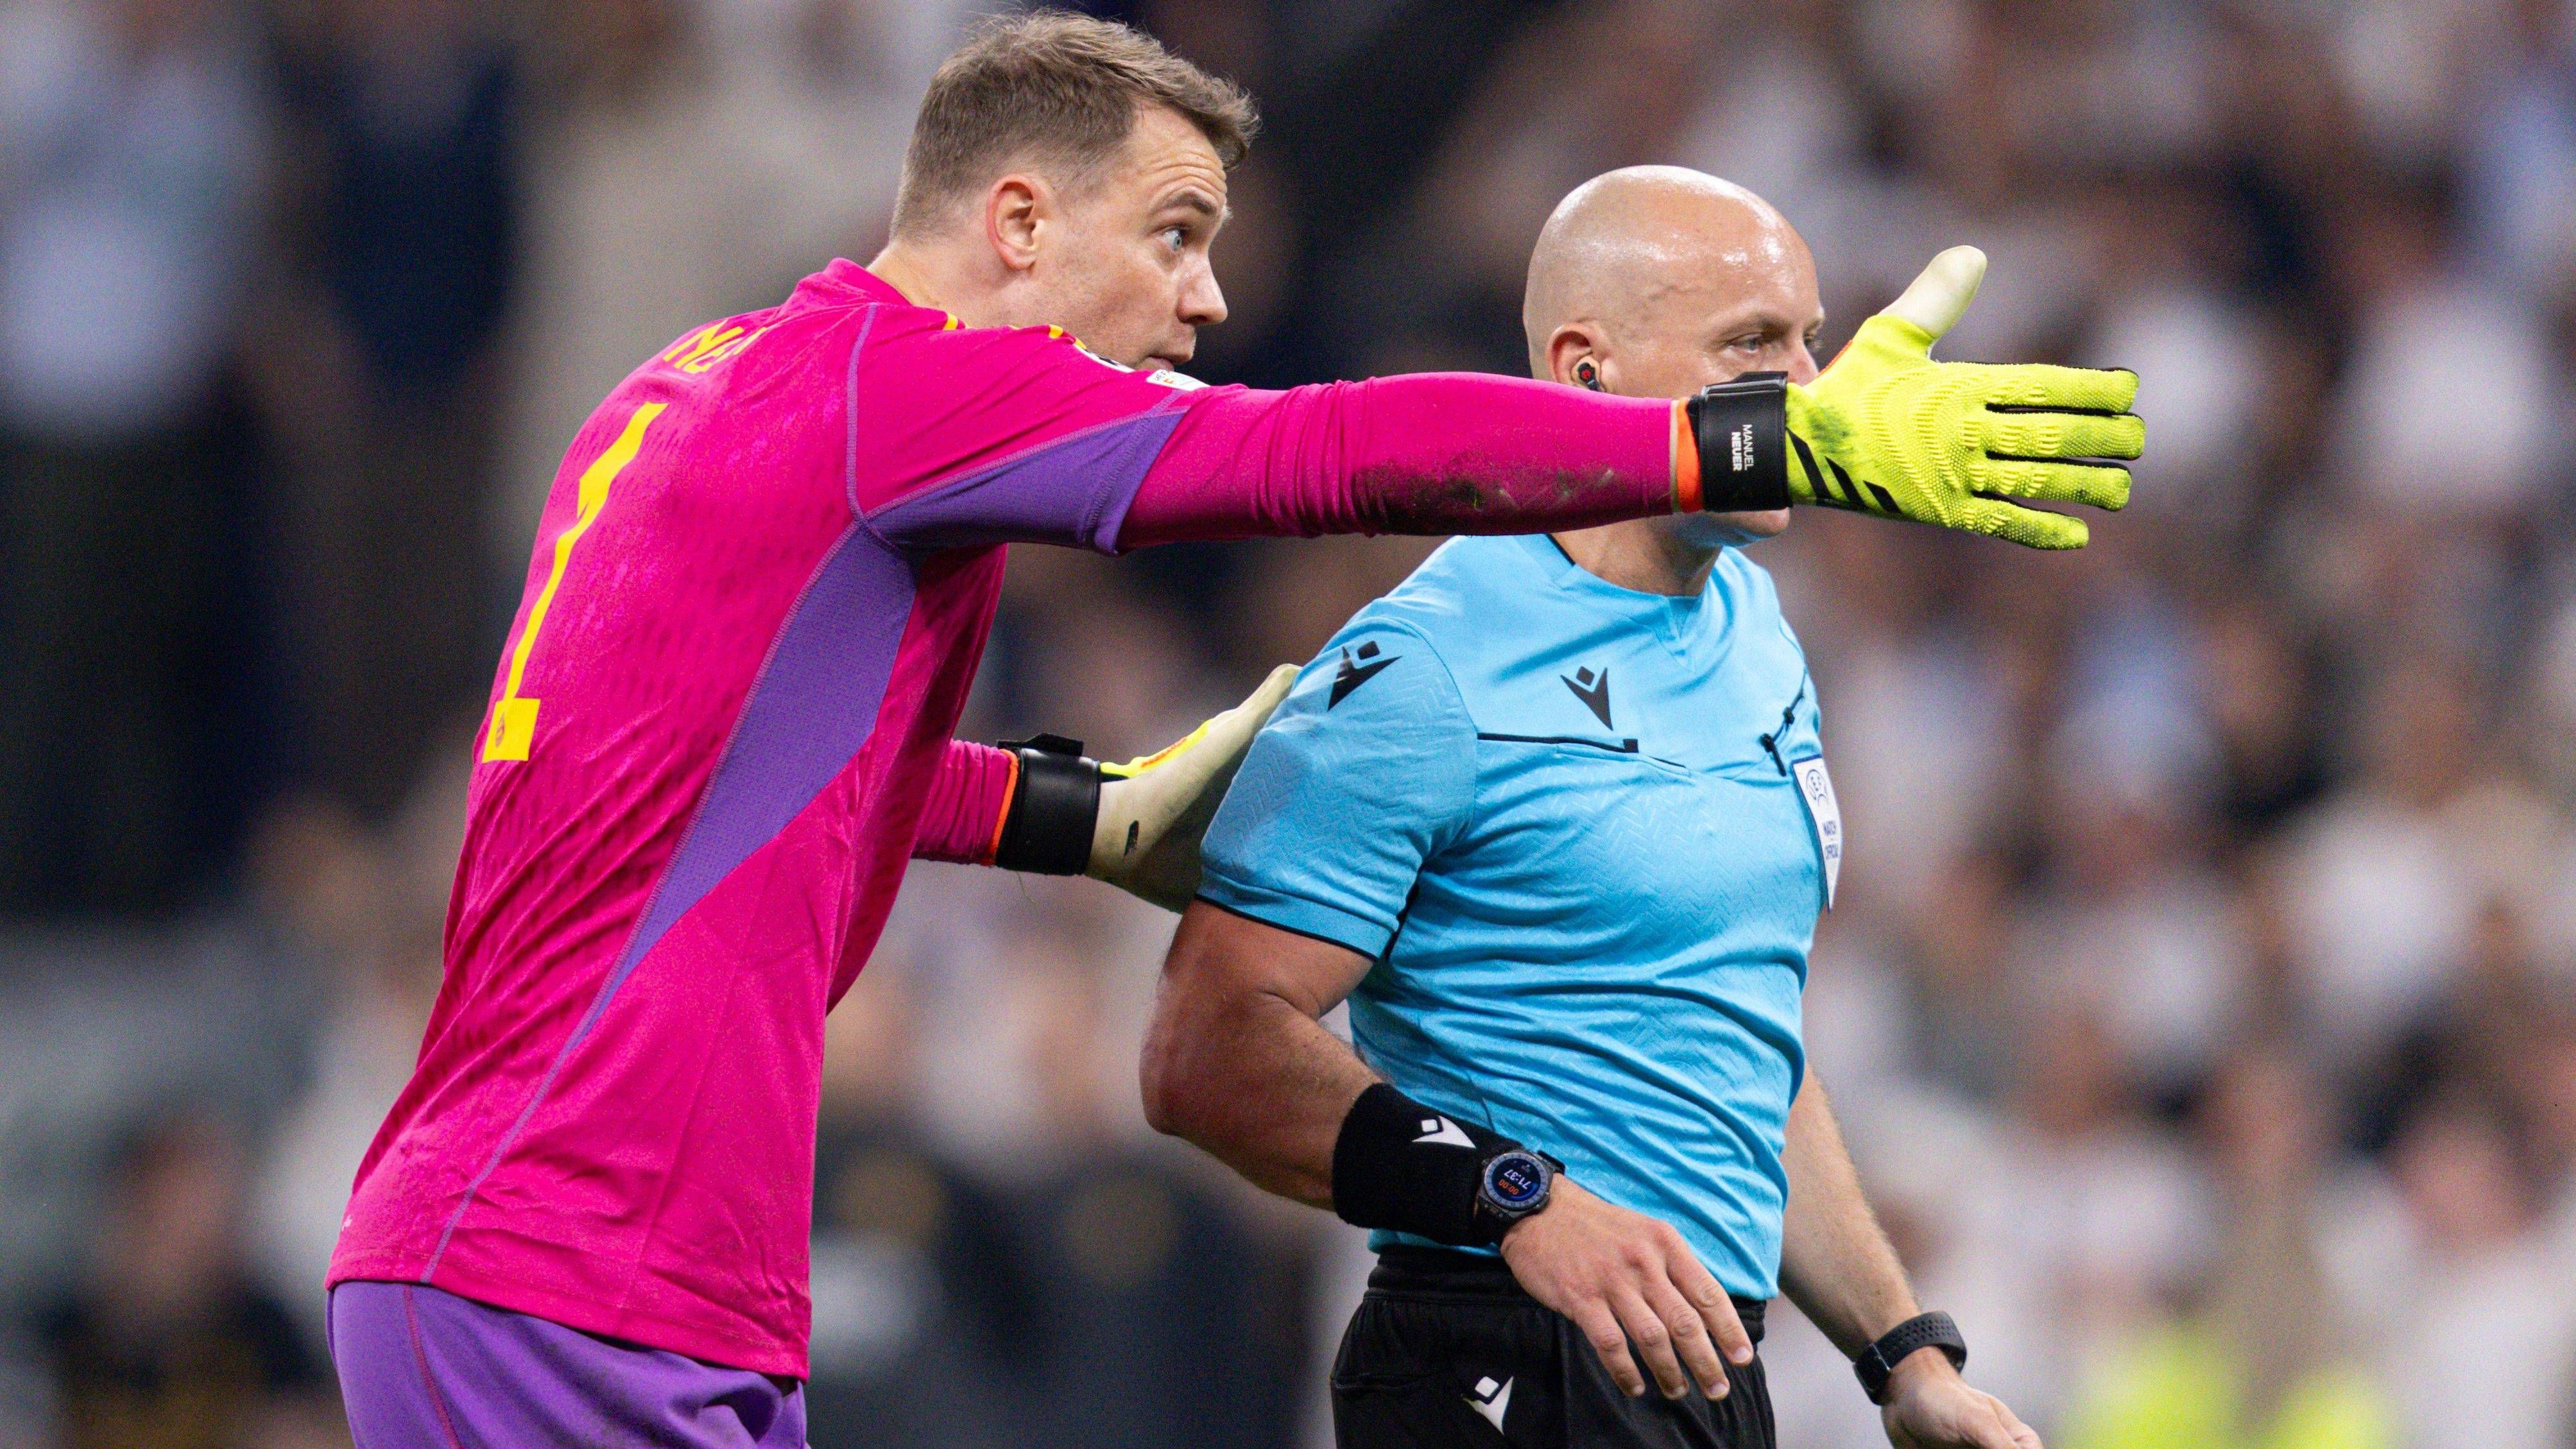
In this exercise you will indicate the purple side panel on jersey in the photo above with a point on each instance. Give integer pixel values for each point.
(814, 704)
(1074, 490)
(423, 1369)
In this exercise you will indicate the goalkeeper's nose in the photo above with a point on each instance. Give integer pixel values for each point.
(1202, 300)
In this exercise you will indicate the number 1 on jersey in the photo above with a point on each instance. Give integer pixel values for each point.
(514, 719)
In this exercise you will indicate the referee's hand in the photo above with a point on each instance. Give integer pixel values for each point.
(1625, 1278)
(1930, 1407)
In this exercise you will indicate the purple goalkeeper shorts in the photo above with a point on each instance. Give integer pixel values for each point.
(422, 1369)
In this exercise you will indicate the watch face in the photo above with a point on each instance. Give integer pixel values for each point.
(1516, 1181)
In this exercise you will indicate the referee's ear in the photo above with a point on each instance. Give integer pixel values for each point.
(1577, 355)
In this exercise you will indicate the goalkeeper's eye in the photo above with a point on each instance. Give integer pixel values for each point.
(1176, 237)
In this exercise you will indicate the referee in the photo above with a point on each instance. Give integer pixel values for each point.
(1554, 817)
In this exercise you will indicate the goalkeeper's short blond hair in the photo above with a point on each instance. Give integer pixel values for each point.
(1056, 90)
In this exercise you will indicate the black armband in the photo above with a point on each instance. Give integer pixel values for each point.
(1400, 1165)
(1054, 808)
(1743, 431)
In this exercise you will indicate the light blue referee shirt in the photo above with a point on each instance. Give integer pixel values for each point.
(1572, 824)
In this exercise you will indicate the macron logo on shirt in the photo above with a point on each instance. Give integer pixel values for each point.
(1594, 692)
(1441, 1132)
(1355, 673)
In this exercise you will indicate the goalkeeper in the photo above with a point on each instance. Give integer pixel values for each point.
(1566, 870)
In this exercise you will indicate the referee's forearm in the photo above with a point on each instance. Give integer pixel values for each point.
(1836, 1263)
(1235, 1061)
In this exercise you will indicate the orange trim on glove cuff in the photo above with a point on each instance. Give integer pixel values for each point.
(1002, 821)
(1685, 461)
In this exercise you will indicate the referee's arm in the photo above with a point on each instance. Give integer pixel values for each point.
(1835, 1261)
(1238, 1062)
(1838, 1267)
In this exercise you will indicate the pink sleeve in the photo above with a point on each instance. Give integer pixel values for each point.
(1432, 453)
(962, 819)
(965, 437)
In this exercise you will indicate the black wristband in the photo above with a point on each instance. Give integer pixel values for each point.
(1054, 808)
(1401, 1165)
(1877, 1363)
(1743, 431)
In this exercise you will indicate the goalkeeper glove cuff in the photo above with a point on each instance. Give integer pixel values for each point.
(1135, 825)
(1742, 428)
(1055, 805)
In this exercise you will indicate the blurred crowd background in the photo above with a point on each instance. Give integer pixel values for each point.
(2202, 997)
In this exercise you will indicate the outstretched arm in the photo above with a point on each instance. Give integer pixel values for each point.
(1429, 454)
(1837, 1265)
(1884, 430)
(1018, 435)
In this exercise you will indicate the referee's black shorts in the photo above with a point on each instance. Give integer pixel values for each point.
(1447, 1350)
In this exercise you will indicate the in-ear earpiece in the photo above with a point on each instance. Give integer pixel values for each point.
(1588, 374)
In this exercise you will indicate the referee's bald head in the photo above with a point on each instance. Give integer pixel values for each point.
(1656, 281)
(1645, 250)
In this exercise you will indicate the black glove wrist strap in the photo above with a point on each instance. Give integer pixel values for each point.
(1877, 1363)
(1403, 1166)
(1054, 808)
(1743, 431)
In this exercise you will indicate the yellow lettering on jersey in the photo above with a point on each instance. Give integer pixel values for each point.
(514, 719)
(717, 343)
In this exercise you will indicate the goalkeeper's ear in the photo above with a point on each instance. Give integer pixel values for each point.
(1937, 297)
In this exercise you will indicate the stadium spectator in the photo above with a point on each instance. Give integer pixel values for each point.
(924, 1319)
(2377, 873)
(2490, 1323)
(376, 361)
(365, 907)
(2267, 1356)
(1164, 1318)
(133, 140)
(166, 1345)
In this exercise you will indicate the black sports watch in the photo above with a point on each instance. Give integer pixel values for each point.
(1877, 1363)
(1514, 1184)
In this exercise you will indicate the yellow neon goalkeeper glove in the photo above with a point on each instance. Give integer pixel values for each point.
(1135, 825)
(1887, 430)
(1155, 810)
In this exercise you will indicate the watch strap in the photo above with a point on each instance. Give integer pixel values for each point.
(1877, 1363)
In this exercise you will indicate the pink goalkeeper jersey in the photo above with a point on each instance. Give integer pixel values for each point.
(720, 728)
